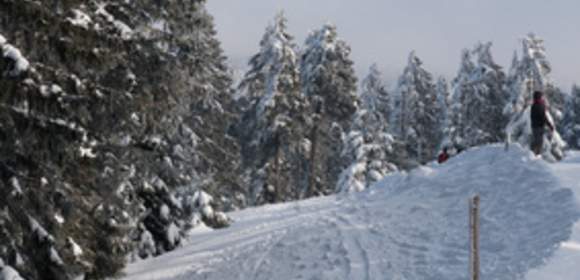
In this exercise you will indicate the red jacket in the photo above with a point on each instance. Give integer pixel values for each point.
(443, 157)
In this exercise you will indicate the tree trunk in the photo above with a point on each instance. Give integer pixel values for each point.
(312, 173)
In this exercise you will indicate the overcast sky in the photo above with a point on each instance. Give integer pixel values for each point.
(385, 31)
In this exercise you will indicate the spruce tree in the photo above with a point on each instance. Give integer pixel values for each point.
(417, 115)
(374, 95)
(272, 129)
(368, 146)
(329, 83)
(478, 100)
(136, 106)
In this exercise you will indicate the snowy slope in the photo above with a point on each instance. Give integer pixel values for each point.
(564, 264)
(406, 227)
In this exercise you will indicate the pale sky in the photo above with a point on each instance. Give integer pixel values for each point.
(385, 31)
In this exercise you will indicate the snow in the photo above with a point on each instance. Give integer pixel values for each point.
(80, 19)
(348, 178)
(19, 262)
(76, 249)
(125, 31)
(43, 120)
(306, 145)
(21, 64)
(160, 25)
(16, 187)
(41, 233)
(9, 273)
(408, 226)
(201, 198)
(148, 187)
(159, 184)
(44, 91)
(99, 94)
(55, 89)
(207, 211)
(164, 212)
(59, 219)
(87, 152)
(173, 235)
(55, 257)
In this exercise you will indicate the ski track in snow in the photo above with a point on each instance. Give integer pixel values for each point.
(409, 226)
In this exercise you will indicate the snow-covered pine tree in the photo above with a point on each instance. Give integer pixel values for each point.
(490, 91)
(374, 95)
(572, 119)
(460, 88)
(417, 115)
(329, 82)
(444, 99)
(478, 100)
(101, 135)
(529, 74)
(369, 149)
(273, 71)
(199, 154)
(273, 126)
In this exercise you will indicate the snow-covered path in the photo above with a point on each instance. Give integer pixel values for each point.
(409, 226)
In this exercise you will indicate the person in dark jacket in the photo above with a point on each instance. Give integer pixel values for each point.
(539, 122)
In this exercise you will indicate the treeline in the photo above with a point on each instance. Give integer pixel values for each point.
(307, 129)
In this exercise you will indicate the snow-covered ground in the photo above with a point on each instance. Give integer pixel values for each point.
(565, 264)
(409, 226)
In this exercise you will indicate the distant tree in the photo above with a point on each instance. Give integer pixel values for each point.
(444, 100)
(478, 100)
(417, 113)
(374, 95)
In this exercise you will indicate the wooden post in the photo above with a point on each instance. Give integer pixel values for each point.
(474, 238)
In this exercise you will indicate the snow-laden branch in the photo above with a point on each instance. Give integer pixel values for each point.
(20, 63)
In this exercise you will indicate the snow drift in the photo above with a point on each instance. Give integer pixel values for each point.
(408, 226)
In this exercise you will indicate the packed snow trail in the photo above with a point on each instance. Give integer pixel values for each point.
(409, 226)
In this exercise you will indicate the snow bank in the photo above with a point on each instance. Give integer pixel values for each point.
(408, 226)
